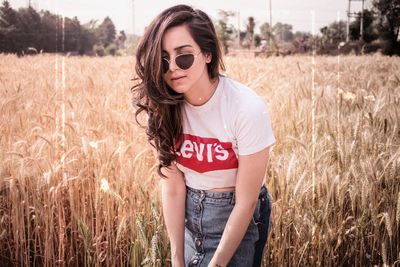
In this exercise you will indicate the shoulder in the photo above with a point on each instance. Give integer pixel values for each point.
(243, 100)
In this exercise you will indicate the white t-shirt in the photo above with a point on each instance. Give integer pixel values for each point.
(233, 122)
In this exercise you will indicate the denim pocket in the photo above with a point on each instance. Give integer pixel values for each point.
(264, 222)
(256, 215)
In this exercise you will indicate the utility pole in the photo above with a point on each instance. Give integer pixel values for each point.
(270, 21)
(354, 14)
(270, 13)
(33, 4)
(133, 17)
(348, 23)
(238, 15)
(362, 21)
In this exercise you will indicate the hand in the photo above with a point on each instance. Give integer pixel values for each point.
(213, 264)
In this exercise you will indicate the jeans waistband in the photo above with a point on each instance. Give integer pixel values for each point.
(221, 195)
(207, 195)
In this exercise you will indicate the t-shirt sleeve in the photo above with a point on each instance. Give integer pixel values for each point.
(253, 128)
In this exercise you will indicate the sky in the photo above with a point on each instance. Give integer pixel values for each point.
(133, 16)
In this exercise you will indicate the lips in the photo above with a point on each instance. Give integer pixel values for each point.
(177, 78)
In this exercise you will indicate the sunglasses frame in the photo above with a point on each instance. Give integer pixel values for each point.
(174, 59)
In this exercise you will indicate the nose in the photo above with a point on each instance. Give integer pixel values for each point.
(172, 65)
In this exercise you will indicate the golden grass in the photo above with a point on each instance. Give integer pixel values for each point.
(78, 184)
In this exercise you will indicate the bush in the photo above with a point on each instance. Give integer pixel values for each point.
(373, 47)
(98, 49)
(111, 49)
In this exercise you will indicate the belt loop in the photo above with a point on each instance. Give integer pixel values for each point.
(202, 195)
(233, 199)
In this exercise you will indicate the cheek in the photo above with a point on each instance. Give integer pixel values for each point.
(165, 78)
(167, 81)
(199, 68)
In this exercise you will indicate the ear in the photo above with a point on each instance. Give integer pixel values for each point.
(208, 57)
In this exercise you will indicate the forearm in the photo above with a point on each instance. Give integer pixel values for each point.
(173, 190)
(249, 180)
(234, 232)
(174, 217)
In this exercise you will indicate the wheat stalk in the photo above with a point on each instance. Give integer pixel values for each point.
(384, 255)
(354, 163)
(398, 210)
(388, 225)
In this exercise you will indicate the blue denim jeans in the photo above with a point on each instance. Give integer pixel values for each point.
(263, 224)
(206, 216)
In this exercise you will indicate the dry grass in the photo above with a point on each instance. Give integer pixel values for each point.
(78, 184)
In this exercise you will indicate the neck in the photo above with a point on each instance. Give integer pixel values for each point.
(203, 91)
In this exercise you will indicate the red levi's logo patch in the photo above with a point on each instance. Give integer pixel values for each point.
(205, 154)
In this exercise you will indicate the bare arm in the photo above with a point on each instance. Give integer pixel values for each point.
(249, 180)
(173, 202)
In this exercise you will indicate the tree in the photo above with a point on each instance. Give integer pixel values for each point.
(72, 31)
(370, 32)
(298, 35)
(389, 23)
(50, 37)
(106, 32)
(29, 25)
(302, 41)
(266, 32)
(9, 33)
(88, 36)
(283, 31)
(99, 50)
(257, 40)
(224, 31)
(7, 14)
(121, 39)
(112, 49)
(250, 31)
(19, 29)
(334, 33)
(76, 36)
(43, 31)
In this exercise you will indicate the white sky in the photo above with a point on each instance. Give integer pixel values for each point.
(304, 15)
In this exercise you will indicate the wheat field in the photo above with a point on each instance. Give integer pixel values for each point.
(78, 183)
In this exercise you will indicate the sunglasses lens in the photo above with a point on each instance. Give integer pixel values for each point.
(165, 65)
(184, 61)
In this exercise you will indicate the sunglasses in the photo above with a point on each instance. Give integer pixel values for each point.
(182, 61)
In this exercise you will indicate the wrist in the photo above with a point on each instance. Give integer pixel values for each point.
(177, 261)
(220, 259)
(213, 263)
(177, 256)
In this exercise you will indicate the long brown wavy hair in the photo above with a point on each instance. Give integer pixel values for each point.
(152, 95)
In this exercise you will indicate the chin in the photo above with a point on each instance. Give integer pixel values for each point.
(181, 88)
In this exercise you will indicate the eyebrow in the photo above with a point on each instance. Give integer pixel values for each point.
(179, 47)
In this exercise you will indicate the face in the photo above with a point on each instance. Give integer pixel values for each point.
(181, 78)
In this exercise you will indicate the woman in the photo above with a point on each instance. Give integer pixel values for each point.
(212, 137)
